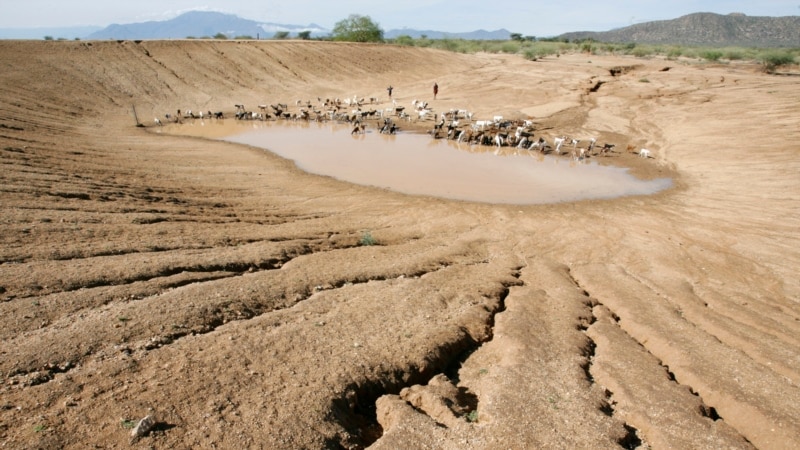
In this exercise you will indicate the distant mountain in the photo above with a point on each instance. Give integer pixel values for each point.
(693, 29)
(200, 24)
(705, 29)
(205, 23)
(54, 32)
(478, 35)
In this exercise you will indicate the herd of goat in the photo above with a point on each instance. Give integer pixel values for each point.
(455, 124)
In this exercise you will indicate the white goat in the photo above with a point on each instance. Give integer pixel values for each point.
(644, 153)
(558, 142)
(540, 144)
(592, 141)
(482, 124)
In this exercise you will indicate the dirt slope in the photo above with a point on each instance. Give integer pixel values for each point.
(226, 293)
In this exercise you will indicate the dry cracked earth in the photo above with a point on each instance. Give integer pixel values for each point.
(231, 297)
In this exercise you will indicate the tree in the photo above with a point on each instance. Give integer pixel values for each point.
(516, 36)
(220, 36)
(304, 35)
(357, 28)
(281, 35)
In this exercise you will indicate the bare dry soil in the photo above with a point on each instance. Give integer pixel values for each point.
(229, 295)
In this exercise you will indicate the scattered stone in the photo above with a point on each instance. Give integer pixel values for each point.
(142, 428)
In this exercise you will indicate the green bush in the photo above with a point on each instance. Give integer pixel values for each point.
(404, 40)
(711, 55)
(367, 239)
(774, 59)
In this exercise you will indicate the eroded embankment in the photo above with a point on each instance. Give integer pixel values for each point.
(234, 297)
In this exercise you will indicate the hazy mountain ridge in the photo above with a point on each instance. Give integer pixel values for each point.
(694, 29)
(205, 23)
(41, 32)
(479, 35)
(705, 29)
(200, 24)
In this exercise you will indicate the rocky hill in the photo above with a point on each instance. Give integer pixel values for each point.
(705, 29)
(200, 24)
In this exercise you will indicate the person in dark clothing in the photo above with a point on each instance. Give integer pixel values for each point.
(435, 90)
(390, 91)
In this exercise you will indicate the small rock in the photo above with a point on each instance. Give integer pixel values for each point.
(142, 428)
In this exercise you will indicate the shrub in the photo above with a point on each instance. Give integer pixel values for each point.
(404, 40)
(774, 59)
(367, 239)
(711, 55)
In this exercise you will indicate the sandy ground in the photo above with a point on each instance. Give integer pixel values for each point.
(225, 293)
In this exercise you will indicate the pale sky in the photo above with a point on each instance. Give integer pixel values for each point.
(527, 17)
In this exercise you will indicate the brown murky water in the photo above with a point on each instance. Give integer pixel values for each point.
(417, 164)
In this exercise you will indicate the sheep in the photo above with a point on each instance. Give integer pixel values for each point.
(644, 153)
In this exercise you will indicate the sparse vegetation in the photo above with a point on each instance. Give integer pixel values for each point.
(773, 59)
(711, 55)
(367, 239)
(127, 424)
(532, 49)
(472, 416)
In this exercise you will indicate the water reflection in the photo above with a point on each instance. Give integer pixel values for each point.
(417, 164)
